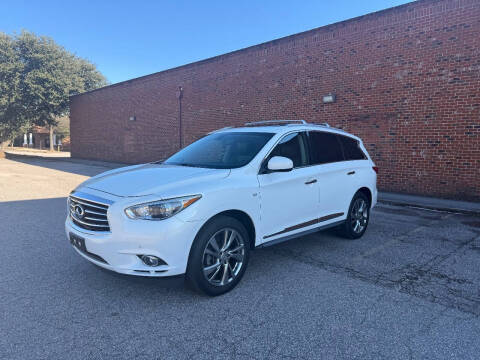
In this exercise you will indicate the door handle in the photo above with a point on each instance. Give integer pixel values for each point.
(351, 173)
(313, 181)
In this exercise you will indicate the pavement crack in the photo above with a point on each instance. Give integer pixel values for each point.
(400, 238)
(412, 279)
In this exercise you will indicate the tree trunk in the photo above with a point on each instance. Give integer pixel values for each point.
(51, 137)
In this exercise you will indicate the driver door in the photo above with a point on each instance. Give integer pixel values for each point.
(289, 199)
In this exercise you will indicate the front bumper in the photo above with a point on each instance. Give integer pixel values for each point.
(169, 239)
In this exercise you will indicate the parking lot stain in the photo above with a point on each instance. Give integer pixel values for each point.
(475, 224)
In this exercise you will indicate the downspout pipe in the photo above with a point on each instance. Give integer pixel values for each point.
(180, 125)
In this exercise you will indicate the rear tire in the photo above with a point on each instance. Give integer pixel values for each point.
(358, 216)
(219, 256)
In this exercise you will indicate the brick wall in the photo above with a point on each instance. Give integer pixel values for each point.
(407, 81)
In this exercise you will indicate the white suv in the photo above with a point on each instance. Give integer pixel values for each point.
(203, 210)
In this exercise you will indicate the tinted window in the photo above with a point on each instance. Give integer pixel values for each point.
(291, 146)
(225, 150)
(351, 148)
(324, 148)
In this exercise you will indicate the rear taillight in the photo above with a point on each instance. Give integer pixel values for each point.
(375, 168)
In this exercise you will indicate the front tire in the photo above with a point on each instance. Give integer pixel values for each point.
(358, 216)
(219, 256)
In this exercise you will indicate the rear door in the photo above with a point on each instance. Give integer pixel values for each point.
(358, 166)
(289, 200)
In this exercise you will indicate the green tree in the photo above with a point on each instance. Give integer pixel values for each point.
(38, 77)
(11, 111)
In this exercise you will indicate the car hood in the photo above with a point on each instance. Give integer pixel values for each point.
(147, 179)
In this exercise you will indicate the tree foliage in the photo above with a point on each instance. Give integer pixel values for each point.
(37, 76)
(11, 111)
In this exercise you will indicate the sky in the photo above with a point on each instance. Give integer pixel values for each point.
(127, 39)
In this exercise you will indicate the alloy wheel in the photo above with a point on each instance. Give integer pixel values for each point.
(359, 215)
(223, 257)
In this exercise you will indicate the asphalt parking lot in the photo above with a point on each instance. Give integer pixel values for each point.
(410, 288)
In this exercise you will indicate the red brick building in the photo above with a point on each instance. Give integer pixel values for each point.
(406, 80)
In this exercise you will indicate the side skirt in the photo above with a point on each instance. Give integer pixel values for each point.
(302, 233)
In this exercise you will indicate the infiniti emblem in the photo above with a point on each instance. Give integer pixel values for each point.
(79, 211)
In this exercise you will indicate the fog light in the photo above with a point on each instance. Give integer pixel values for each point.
(150, 260)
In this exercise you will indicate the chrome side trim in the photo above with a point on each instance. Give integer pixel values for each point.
(306, 224)
(300, 234)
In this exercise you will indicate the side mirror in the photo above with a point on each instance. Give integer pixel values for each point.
(280, 163)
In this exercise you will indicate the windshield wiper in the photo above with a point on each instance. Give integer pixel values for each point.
(185, 164)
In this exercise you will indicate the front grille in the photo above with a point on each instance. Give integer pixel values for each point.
(88, 214)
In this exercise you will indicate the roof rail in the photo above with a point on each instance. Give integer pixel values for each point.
(224, 128)
(324, 125)
(328, 126)
(274, 122)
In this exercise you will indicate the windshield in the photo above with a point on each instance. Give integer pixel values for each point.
(226, 150)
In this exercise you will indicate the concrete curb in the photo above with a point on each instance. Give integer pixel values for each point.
(436, 204)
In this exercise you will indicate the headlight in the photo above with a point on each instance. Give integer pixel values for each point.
(162, 209)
